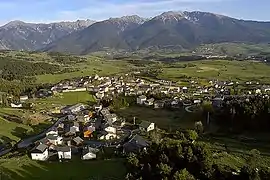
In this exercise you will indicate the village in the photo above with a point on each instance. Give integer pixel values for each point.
(83, 129)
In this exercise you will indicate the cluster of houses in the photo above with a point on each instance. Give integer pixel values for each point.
(83, 130)
(176, 102)
(133, 85)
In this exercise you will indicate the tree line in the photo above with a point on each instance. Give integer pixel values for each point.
(17, 70)
(247, 114)
(182, 157)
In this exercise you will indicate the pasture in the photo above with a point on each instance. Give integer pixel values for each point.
(241, 71)
(163, 118)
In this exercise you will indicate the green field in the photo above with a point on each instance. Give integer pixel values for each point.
(63, 99)
(164, 119)
(91, 67)
(23, 168)
(233, 49)
(218, 69)
(7, 130)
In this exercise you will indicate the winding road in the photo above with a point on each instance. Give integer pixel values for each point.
(28, 141)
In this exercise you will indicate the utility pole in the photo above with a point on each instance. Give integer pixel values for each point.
(134, 121)
(208, 118)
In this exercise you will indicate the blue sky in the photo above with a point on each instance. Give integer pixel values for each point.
(68, 10)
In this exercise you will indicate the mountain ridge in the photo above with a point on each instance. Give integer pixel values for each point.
(19, 35)
(169, 29)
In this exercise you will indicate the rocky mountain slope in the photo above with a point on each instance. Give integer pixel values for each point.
(18, 35)
(108, 34)
(168, 30)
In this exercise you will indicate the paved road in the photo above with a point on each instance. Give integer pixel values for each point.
(188, 109)
(28, 141)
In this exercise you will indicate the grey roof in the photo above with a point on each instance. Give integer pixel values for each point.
(72, 129)
(135, 144)
(105, 111)
(63, 148)
(145, 124)
(76, 124)
(151, 100)
(78, 140)
(52, 137)
(110, 116)
(40, 148)
(102, 133)
(70, 108)
(88, 149)
(142, 97)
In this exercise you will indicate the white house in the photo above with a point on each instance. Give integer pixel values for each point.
(55, 139)
(64, 152)
(174, 103)
(141, 99)
(110, 129)
(147, 126)
(100, 95)
(53, 132)
(258, 91)
(13, 105)
(149, 102)
(98, 107)
(89, 153)
(185, 89)
(23, 98)
(40, 153)
(110, 118)
(73, 109)
(197, 101)
(75, 127)
(107, 136)
(75, 90)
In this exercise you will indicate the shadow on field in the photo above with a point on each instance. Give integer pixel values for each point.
(73, 170)
(22, 133)
(11, 118)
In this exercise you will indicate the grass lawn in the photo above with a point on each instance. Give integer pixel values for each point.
(164, 119)
(219, 69)
(12, 111)
(7, 129)
(23, 168)
(63, 99)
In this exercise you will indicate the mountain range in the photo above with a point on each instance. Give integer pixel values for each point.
(18, 35)
(182, 30)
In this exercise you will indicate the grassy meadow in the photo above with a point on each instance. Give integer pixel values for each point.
(164, 119)
(218, 69)
(63, 99)
(90, 67)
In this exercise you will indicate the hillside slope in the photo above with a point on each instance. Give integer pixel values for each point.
(170, 29)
